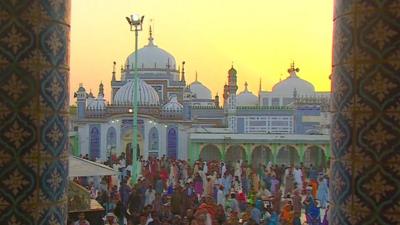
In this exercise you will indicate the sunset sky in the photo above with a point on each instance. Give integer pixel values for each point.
(260, 37)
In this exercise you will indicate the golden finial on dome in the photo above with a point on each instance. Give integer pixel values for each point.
(293, 69)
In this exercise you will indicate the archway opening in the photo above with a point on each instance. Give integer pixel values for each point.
(261, 155)
(235, 153)
(210, 152)
(315, 155)
(288, 155)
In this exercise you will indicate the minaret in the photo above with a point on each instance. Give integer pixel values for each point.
(113, 72)
(122, 72)
(232, 87)
(183, 72)
(216, 101)
(225, 96)
(101, 90)
(81, 101)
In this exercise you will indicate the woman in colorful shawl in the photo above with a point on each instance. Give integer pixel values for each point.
(313, 216)
(287, 214)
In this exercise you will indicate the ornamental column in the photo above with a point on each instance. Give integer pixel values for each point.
(34, 70)
(365, 169)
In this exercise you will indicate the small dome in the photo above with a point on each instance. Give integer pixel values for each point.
(81, 88)
(147, 94)
(246, 97)
(151, 56)
(96, 104)
(199, 90)
(293, 84)
(173, 105)
(232, 70)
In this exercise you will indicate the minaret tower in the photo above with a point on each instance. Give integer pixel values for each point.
(183, 79)
(216, 100)
(101, 90)
(113, 72)
(225, 96)
(81, 101)
(232, 88)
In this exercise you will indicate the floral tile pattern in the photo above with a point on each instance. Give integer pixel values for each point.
(34, 73)
(365, 168)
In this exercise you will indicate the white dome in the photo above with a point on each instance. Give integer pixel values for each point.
(147, 94)
(173, 105)
(151, 56)
(246, 98)
(96, 104)
(293, 84)
(199, 90)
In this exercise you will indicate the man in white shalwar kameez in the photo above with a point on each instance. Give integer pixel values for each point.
(298, 177)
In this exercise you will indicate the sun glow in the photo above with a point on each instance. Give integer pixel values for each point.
(260, 37)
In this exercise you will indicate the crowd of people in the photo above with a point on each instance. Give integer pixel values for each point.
(169, 191)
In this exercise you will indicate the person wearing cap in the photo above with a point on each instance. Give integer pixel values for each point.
(110, 219)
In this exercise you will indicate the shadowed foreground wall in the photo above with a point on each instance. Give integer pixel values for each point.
(365, 165)
(34, 70)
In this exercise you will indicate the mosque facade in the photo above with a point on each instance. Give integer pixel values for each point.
(288, 124)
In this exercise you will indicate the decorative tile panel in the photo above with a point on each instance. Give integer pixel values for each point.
(365, 169)
(34, 71)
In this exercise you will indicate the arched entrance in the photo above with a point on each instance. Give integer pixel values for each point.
(154, 142)
(210, 152)
(261, 155)
(127, 140)
(172, 143)
(314, 155)
(235, 153)
(288, 155)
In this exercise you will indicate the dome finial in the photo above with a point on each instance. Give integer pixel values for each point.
(196, 76)
(292, 70)
(245, 86)
(151, 39)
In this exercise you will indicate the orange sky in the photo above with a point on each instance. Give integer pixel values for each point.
(260, 37)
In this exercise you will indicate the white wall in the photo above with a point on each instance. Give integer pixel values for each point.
(83, 132)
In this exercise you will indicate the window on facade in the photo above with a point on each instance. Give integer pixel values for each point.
(275, 101)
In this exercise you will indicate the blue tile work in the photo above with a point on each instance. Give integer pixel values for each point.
(95, 141)
(365, 168)
(302, 126)
(172, 142)
(34, 73)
